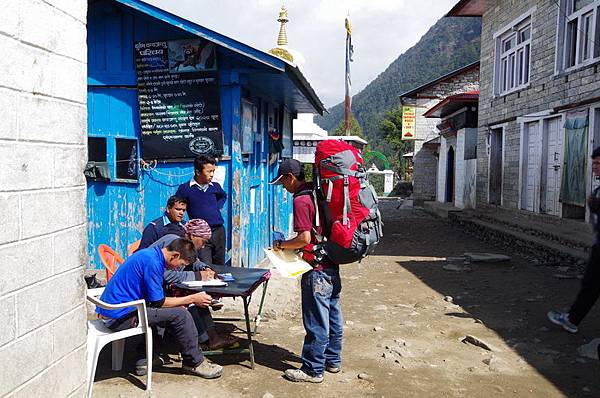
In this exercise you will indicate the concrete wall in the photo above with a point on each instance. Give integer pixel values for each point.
(42, 198)
(424, 175)
(546, 91)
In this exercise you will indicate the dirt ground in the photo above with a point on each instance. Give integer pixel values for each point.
(405, 317)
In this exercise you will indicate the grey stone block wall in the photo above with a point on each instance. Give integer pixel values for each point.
(42, 198)
(425, 161)
(546, 91)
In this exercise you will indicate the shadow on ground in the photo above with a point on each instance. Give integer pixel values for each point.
(511, 299)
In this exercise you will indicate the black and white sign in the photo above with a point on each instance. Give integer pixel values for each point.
(178, 95)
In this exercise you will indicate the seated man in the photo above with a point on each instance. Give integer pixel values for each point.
(169, 223)
(199, 232)
(141, 277)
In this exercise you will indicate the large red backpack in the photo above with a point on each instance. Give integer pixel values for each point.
(348, 203)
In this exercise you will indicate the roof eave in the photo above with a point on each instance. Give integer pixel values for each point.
(468, 8)
(439, 79)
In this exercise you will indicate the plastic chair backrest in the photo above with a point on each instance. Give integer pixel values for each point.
(110, 259)
(133, 247)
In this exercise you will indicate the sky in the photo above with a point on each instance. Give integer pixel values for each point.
(381, 31)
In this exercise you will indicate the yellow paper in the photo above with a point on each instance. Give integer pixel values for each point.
(288, 263)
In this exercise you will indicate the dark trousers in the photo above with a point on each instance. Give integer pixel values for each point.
(214, 250)
(177, 321)
(590, 288)
(203, 320)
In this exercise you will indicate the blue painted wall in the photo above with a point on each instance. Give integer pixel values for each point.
(119, 210)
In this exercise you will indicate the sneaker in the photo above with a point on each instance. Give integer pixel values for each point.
(562, 319)
(205, 369)
(333, 369)
(141, 366)
(298, 375)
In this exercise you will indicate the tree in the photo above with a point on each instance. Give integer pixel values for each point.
(355, 128)
(391, 125)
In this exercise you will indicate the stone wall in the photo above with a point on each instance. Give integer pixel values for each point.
(42, 198)
(425, 162)
(546, 91)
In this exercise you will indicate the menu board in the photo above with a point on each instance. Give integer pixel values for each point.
(178, 95)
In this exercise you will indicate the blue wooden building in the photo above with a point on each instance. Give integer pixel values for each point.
(132, 190)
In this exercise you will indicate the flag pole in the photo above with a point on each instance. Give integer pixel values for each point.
(347, 97)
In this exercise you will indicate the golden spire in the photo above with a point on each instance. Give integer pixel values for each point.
(282, 41)
(283, 19)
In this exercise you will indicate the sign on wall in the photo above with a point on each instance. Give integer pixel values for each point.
(408, 122)
(247, 127)
(178, 95)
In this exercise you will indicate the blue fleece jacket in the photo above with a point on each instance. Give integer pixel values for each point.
(204, 204)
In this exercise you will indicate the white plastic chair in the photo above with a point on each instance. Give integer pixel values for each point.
(99, 336)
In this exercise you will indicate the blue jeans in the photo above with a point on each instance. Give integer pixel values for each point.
(322, 317)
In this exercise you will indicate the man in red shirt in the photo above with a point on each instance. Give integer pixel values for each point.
(321, 287)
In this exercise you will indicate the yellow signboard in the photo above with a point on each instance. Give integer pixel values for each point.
(408, 122)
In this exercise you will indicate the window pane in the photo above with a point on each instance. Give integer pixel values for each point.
(512, 70)
(524, 34)
(508, 43)
(520, 67)
(571, 44)
(126, 158)
(97, 149)
(503, 77)
(526, 66)
(586, 36)
(596, 43)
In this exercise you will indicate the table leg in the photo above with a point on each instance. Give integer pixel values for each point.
(248, 331)
(257, 319)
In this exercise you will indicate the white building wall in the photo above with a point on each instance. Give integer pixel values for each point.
(42, 198)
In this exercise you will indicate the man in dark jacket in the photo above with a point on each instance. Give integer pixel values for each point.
(590, 285)
(169, 223)
(205, 199)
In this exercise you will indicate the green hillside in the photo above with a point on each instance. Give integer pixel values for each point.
(450, 44)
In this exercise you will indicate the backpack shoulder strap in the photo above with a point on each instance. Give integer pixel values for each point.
(312, 193)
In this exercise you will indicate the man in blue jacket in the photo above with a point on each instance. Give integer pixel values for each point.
(205, 200)
(141, 277)
(171, 222)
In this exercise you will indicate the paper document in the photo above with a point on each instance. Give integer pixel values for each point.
(214, 282)
(288, 263)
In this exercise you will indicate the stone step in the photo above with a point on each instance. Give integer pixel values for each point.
(515, 241)
(577, 235)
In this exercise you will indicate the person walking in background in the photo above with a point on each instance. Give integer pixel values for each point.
(590, 285)
(205, 200)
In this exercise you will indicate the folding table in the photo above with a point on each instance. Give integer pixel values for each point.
(247, 280)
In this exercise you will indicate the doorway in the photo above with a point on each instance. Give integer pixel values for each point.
(450, 162)
(495, 184)
(552, 158)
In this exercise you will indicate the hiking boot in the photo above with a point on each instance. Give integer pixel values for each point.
(141, 366)
(205, 369)
(562, 319)
(333, 368)
(298, 375)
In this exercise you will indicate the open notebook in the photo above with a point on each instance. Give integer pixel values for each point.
(214, 282)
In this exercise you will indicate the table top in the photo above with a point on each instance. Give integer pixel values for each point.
(246, 281)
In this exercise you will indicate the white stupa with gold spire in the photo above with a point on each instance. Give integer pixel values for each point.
(282, 49)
